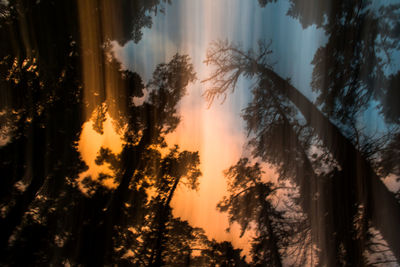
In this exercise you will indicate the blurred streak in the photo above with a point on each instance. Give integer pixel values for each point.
(96, 24)
(99, 82)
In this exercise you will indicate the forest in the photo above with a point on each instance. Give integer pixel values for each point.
(333, 145)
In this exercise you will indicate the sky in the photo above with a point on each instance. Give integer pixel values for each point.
(217, 131)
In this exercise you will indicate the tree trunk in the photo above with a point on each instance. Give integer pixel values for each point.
(381, 206)
(131, 158)
(162, 223)
(315, 199)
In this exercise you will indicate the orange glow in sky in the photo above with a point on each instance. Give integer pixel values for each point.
(90, 143)
(215, 132)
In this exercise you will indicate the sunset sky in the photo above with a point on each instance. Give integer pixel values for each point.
(217, 132)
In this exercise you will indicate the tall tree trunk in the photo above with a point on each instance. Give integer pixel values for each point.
(112, 214)
(276, 258)
(381, 206)
(162, 224)
(315, 198)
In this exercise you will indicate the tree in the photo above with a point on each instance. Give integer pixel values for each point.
(221, 254)
(274, 122)
(104, 214)
(279, 233)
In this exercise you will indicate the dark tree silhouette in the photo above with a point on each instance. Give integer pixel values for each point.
(219, 254)
(138, 166)
(277, 231)
(282, 139)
